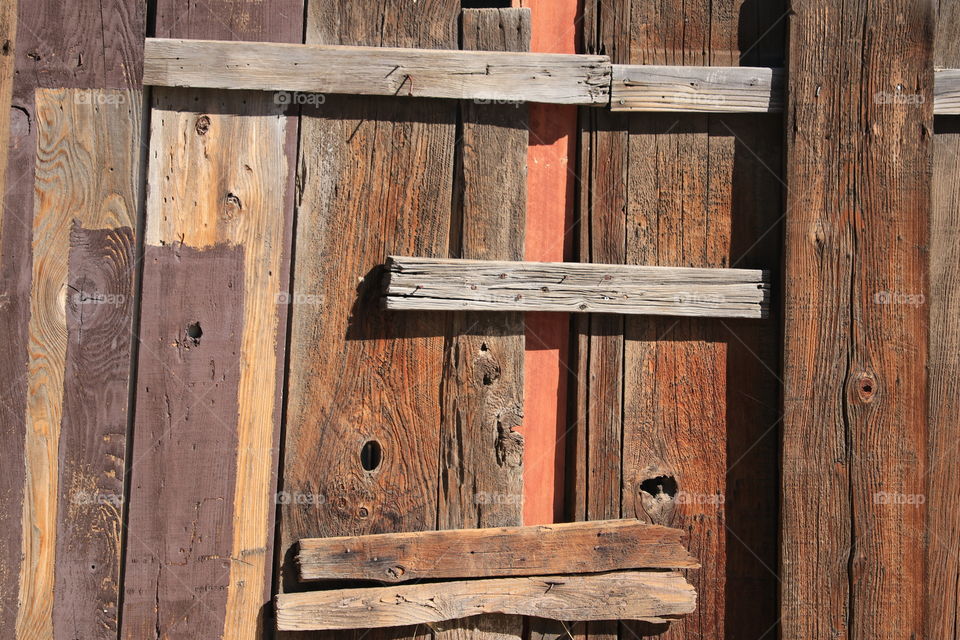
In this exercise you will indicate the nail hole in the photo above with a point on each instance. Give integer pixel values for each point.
(661, 485)
(371, 455)
(194, 332)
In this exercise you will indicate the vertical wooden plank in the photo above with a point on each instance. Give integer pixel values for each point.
(218, 181)
(676, 417)
(87, 185)
(855, 357)
(943, 485)
(8, 43)
(551, 183)
(221, 175)
(376, 178)
(481, 453)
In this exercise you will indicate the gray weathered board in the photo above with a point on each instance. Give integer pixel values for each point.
(578, 547)
(651, 596)
(426, 73)
(481, 285)
(486, 76)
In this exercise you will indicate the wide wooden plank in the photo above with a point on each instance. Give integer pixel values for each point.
(855, 333)
(376, 177)
(579, 547)
(80, 322)
(481, 481)
(942, 595)
(379, 71)
(700, 89)
(625, 595)
(490, 285)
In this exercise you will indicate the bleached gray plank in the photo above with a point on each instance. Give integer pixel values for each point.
(426, 73)
(479, 285)
(701, 89)
(946, 92)
(650, 596)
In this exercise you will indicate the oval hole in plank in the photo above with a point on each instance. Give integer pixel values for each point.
(371, 455)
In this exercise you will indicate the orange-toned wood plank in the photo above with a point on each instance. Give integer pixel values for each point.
(550, 191)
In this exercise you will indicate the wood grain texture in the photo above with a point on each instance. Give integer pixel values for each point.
(579, 547)
(685, 190)
(219, 176)
(700, 89)
(491, 285)
(942, 594)
(379, 71)
(8, 40)
(481, 452)
(180, 523)
(629, 595)
(855, 354)
(86, 179)
(243, 20)
(376, 177)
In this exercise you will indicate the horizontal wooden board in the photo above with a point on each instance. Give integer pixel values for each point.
(492, 76)
(480, 285)
(579, 547)
(701, 89)
(655, 596)
(946, 92)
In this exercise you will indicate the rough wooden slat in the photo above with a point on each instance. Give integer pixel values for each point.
(580, 547)
(627, 595)
(946, 89)
(854, 457)
(379, 71)
(85, 212)
(942, 595)
(8, 38)
(375, 177)
(700, 89)
(481, 285)
(481, 453)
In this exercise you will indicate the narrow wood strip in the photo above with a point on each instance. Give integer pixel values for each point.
(425, 284)
(384, 71)
(579, 547)
(626, 595)
(181, 514)
(8, 40)
(86, 180)
(700, 89)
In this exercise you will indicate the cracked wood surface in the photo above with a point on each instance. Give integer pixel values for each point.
(579, 547)
(650, 596)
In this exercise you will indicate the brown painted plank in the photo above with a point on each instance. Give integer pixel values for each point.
(218, 177)
(942, 594)
(78, 45)
(87, 177)
(855, 355)
(221, 174)
(180, 515)
(481, 453)
(579, 547)
(664, 189)
(630, 595)
(376, 177)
